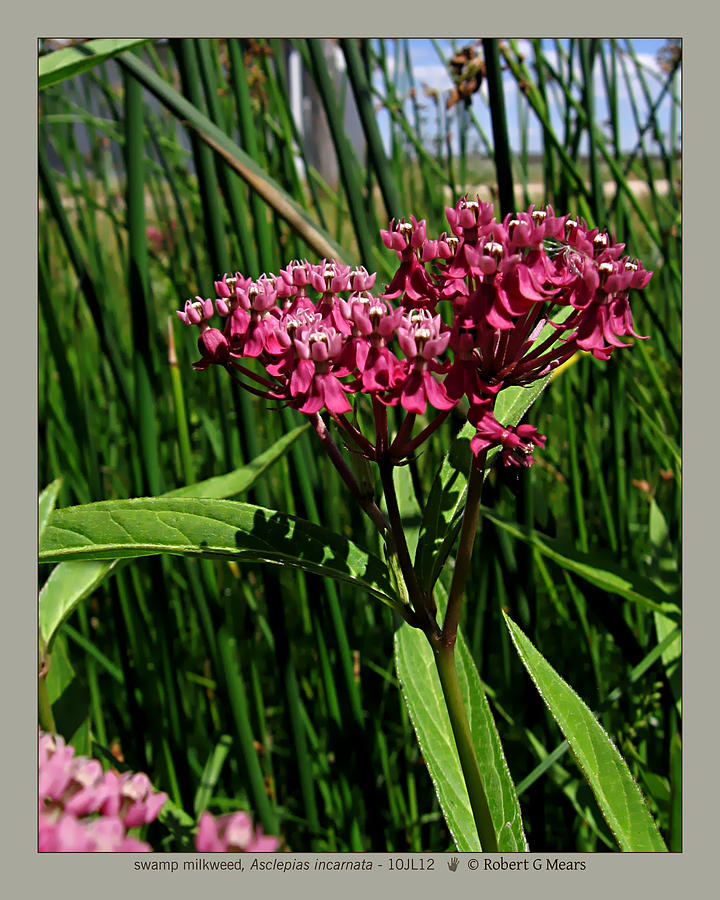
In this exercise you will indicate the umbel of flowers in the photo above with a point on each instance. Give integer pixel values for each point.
(486, 305)
(83, 808)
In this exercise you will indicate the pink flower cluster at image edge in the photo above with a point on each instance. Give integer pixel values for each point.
(83, 808)
(502, 284)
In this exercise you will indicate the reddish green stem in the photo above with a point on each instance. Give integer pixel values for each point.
(346, 474)
(447, 671)
(464, 554)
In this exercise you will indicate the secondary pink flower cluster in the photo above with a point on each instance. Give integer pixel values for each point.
(83, 808)
(484, 306)
(232, 833)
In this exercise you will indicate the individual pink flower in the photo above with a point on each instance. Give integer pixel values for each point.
(102, 834)
(422, 339)
(249, 339)
(314, 383)
(468, 216)
(65, 834)
(232, 833)
(135, 801)
(361, 279)
(330, 279)
(374, 322)
(411, 280)
(606, 316)
(231, 291)
(196, 311)
(109, 835)
(517, 443)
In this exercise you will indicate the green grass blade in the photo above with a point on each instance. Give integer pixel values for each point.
(499, 124)
(599, 570)
(285, 206)
(241, 717)
(263, 238)
(138, 283)
(211, 774)
(348, 166)
(363, 98)
(69, 61)
(588, 49)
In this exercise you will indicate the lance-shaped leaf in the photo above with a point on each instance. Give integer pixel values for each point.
(415, 666)
(618, 796)
(240, 480)
(210, 528)
(446, 501)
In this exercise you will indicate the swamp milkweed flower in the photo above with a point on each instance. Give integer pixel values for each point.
(487, 305)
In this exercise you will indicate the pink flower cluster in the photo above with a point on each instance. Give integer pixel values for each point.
(83, 808)
(232, 833)
(484, 306)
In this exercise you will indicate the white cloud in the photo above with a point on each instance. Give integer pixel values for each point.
(435, 76)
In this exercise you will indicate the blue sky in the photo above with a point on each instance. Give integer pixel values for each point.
(429, 71)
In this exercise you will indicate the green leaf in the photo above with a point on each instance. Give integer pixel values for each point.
(69, 61)
(67, 585)
(671, 657)
(242, 479)
(446, 501)
(46, 503)
(70, 582)
(69, 698)
(61, 673)
(210, 528)
(415, 666)
(593, 567)
(618, 796)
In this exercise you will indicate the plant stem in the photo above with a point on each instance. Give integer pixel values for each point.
(346, 474)
(423, 602)
(444, 650)
(462, 561)
(45, 716)
(375, 514)
(445, 662)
